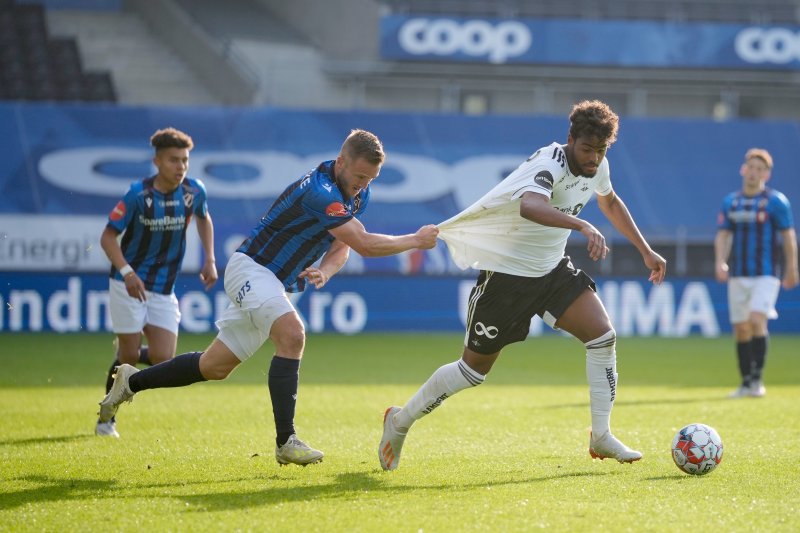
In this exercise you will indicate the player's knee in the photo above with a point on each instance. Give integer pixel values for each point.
(603, 349)
(289, 337)
(129, 356)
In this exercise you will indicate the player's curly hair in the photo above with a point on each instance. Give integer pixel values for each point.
(759, 153)
(170, 138)
(593, 118)
(361, 144)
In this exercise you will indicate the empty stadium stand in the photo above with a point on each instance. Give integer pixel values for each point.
(36, 66)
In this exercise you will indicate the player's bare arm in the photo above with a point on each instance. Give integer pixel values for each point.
(722, 250)
(333, 261)
(205, 229)
(536, 208)
(353, 234)
(110, 245)
(790, 276)
(617, 213)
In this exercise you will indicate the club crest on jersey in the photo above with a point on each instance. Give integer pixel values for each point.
(336, 209)
(544, 180)
(188, 199)
(118, 213)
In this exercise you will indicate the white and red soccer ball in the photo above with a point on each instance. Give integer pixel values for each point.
(697, 449)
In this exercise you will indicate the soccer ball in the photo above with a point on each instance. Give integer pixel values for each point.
(697, 449)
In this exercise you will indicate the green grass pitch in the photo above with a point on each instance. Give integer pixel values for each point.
(510, 455)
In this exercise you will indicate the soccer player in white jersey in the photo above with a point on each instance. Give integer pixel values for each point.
(516, 236)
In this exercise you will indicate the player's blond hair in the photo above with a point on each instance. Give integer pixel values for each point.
(593, 118)
(170, 138)
(759, 153)
(361, 144)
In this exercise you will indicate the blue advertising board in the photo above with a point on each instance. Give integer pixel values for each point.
(625, 43)
(64, 167)
(370, 303)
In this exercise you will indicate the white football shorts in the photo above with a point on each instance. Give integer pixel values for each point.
(752, 294)
(129, 315)
(258, 298)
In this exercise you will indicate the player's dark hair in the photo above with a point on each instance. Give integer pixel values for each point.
(170, 138)
(593, 118)
(759, 153)
(361, 144)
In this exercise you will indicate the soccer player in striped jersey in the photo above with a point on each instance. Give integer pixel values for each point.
(153, 217)
(751, 225)
(516, 235)
(315, 219)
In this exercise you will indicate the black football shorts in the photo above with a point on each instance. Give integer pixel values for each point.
(501, 306)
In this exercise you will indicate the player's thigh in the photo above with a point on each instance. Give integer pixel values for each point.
(585, 318)
(161, 343)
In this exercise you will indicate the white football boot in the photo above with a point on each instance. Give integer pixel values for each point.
(297, 452)
(120, 392)
(607, 446)
(742, 392)
(106, 429)
(391, 442)
(757, 389)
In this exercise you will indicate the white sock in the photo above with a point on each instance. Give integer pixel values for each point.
(601, 373)
(445, 382)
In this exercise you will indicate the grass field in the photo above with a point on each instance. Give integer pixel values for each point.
(510, 455)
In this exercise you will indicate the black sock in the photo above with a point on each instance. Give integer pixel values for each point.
(759, 351)
(111, 372)
(744, 353)
(284, 375)
(176, 372)
(144, 356)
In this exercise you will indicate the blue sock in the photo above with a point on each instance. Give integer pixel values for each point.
(176, 372)
(284, 376)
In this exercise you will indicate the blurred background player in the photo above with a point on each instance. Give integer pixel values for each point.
(752, 222)
(153, 215)
(316, 217)
(516, 235)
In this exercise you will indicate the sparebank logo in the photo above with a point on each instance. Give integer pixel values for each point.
(477, 38)
(768, 45)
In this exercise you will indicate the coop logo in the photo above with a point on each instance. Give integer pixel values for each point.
(772, 45)
(476, 38)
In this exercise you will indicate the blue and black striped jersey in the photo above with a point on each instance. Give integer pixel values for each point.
(155, 229)
(293, 234)
(756, 223)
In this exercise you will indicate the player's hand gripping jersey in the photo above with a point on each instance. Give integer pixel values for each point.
(293, 234)
(491, 235)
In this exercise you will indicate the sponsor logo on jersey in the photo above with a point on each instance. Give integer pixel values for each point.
(165, 223)
(169, 203)
(544, 180)
(118, 213)
(336, 209)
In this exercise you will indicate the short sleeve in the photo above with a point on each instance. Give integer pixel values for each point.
(123, 212)
(782, 212)
(327, 207)
(200, 205)
(539, 173)
(723, 221)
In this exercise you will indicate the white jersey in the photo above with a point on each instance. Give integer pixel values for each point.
(491, 235)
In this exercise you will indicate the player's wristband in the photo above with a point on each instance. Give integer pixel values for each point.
(126, 270)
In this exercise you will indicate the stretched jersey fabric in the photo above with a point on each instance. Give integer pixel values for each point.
(155, 229)
(491, 235)
(756, 223)
(293, 234)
